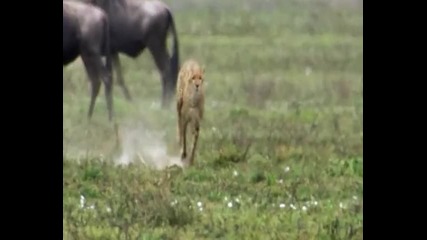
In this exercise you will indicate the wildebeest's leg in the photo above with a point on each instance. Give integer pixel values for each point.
(195, 139)
(107, 79)
(117, 135)
(161, 57)
(93, 71)
(118, 67)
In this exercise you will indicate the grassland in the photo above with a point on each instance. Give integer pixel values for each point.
(280, 152)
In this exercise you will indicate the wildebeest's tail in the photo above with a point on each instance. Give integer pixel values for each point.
(107, 48)
(175, 49)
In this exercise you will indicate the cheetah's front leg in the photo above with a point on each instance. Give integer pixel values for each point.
(195, 139)
(179, 129)
(184, 141)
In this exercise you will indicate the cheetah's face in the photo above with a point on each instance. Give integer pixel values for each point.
(197, 80)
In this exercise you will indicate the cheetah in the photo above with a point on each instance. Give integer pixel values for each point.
(190, 105)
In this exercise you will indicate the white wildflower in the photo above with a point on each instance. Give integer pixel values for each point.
(304, 208)
(230, 204)
(235, 173)
(199, 204)
(174, 202)
(82, 201)
(292, 206)
(237, 200)
(287, 169)
(282, 205)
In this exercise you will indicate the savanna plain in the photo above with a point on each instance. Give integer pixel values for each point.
(280, 152)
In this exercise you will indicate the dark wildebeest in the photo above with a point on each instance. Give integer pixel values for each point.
(85, 34)
(135, 25)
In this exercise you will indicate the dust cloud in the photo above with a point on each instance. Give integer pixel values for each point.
(138, 143)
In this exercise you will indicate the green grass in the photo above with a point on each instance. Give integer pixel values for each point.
(282, 140)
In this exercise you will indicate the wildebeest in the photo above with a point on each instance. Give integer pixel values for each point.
(86, 34)
(136, 25)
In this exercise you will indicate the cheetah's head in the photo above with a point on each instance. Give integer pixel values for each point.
(197, 78)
